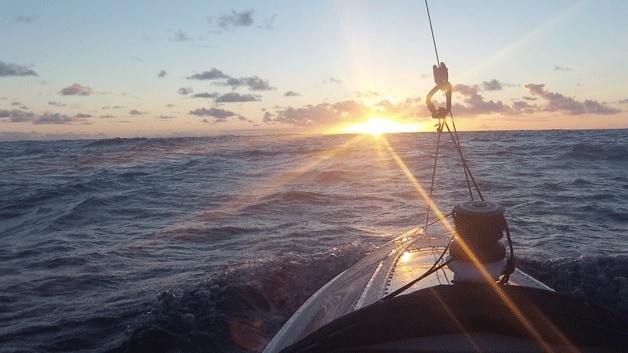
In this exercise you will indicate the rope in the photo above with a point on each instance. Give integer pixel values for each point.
(432, 30)
(510, 263)
(440, 130)
(438, 220)
(465, 166)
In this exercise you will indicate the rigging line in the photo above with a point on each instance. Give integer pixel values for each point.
(436, 221)
(440, 130)
(464, 166)
(464, 163)
(456, 141)
(466, 175)
(432, 30)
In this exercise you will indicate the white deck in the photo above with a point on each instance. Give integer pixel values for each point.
(378, 274)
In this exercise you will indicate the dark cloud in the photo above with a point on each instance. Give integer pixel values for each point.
(623, 101)
(165, 117)
(334, 80)
(219, 115)
(15, 103)
(26, 18)
(76, 90)
(235, 19)
(291, 94)
(162, 73)
(83, 115)
(206, 95)
(184, 91)
(492, 85)
(136, 112)
(233, 97)
(56, 118)
(8, 69)
(556, 102)
(56, 104)
(182, 37)
(16, 116)
(213, 74)
(254, 83)
(268, 117)
(529, 98)
(562, 68)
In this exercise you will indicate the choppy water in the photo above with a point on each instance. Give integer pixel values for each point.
(209, 244)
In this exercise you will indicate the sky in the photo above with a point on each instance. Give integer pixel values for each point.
(95, 69)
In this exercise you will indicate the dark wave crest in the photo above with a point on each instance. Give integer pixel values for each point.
(237, 310)
(603, 280)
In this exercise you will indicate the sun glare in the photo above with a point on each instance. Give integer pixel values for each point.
(377, 126)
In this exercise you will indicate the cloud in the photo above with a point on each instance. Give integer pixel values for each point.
(26, 18)
(268, 118)
(213, 74)
(368, 94)
(347, 112)
(56, 119)
(8, 69)
(556, 102)
(623, 101)
(269, 23)
(291, 94)
(83, 115)
(235, 19)
(206, 95)
(492, 85)
(56, 104)
(16, 116)
(184, 91)
(233, 97)
(182, 37)
(219, 115)
(254, 83)
(562, 68)
(334, 80)
(76, 90)
(136, 112)
(474, 103)
(319, 115)
(17, 136)
(162, 74)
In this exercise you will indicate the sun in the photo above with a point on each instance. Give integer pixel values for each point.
(377, 126)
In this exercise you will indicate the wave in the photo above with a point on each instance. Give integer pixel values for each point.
(117, 141)
(592, 152)
(237, 309)
(603, 280)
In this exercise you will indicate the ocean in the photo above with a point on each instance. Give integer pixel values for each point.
(209, 244)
